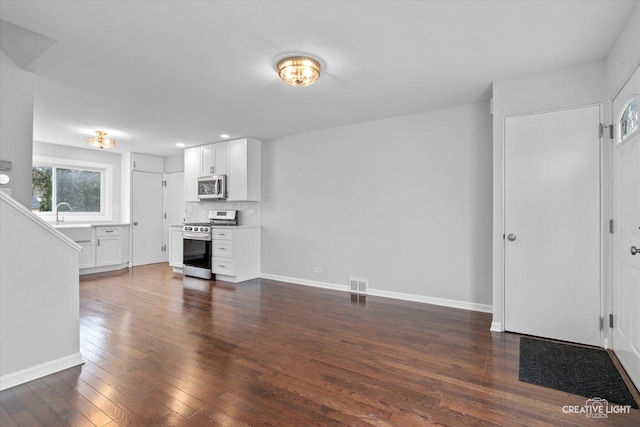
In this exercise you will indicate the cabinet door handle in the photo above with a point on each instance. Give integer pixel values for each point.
(98, 242)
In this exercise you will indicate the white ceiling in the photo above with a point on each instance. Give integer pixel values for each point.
(153, 73)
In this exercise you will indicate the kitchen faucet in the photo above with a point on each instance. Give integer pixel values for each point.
(57, 206)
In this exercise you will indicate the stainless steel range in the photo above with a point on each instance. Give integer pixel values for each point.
(218, 218)
(197, 242)
(196, 238)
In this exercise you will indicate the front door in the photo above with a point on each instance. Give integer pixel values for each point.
(146, 213)
(552, 225)
(626, 236)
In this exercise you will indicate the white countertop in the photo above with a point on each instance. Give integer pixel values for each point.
(92, 224)
(223, 226)
(219, 227)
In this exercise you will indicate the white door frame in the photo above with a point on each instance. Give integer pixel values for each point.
(608, 173)
(605, 213)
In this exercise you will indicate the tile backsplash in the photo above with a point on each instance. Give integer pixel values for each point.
(248, 212)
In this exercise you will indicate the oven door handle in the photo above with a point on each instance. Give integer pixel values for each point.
(186, 236)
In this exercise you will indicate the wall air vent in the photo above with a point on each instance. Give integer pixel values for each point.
(358, 285)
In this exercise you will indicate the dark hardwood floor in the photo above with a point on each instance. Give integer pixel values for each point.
(163, 350)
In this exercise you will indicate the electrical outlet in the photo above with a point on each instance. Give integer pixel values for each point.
(317, 270)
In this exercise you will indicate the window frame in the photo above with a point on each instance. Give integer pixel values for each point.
(623, 138)
(106, 189)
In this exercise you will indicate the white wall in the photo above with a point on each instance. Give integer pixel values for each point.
(563, 88)
(174, 164)
(16, 131)
(404, 202)
(88, 155)
(624, 56)
(39, 298)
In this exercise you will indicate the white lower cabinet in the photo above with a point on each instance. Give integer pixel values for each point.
(176, 247)
(88, 254)
(108, 250)
(236, 253)
(108, 246)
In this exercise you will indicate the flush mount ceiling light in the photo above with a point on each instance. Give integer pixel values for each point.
(299, 70)
(101, 141)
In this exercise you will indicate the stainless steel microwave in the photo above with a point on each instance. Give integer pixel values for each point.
(212, 187)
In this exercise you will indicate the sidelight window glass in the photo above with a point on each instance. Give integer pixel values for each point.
(628, 120)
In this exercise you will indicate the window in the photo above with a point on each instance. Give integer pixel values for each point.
(628, 120)
(84, 186)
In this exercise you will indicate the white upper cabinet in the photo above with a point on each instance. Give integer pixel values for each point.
(147, 163)
(243, 170)
(214, 159)
(238, 159)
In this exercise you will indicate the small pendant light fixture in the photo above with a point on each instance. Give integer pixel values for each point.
(299, 70)
(101, 141)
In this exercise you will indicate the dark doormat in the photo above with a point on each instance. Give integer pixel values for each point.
(585, 371)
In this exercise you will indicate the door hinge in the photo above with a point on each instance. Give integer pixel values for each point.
(611, 226)
(164, 183)
(611, 320)
(601, 323)
(602, 130)
(164, 248)
(165, 215)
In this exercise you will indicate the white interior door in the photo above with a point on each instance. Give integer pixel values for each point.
(552, 225)
(626, 236)
(173, 201)
(146, 215)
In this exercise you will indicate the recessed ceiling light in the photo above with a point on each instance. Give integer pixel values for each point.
(224, 135)
(179, 144)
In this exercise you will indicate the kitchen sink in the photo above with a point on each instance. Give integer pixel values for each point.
(76, 232)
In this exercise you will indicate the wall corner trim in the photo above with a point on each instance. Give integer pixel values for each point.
(496, 327)
(39, 371)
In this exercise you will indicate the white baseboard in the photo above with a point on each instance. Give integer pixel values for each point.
(39, 371)
(386, 294)
(93, 270)
(472, 306)
(496, 327)
(305, 282)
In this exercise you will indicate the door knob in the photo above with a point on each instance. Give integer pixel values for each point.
(135, 223)
(634, 250)
(511, 237)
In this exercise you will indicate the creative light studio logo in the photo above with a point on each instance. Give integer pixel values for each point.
(597, 408)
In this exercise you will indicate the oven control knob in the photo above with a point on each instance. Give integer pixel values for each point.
(195, 229)
(206, 229)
